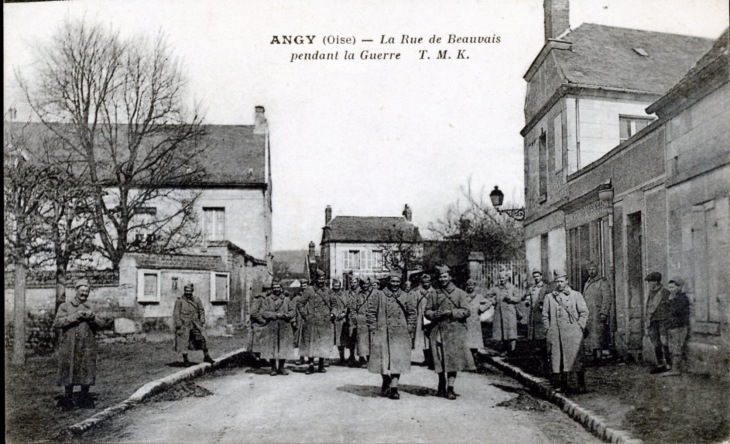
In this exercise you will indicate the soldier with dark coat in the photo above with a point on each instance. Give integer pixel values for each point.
(358, 320)
(391, 316)
(77, 350)
(347, 337)
(423, 325)
(271, 316)
(299, 322)
(505, 297)
(564, 316)
(448, 310)
(188, 317)
(534, 300)
(339, 309)
(597, 293)
(317, 308)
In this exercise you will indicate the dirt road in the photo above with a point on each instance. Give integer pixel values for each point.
(344, 406)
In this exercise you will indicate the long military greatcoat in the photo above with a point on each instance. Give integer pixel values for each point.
(391, 316)
(421, 338)
(536, 296)
(478, 303)
(316, 305)
(597, 294)
(76, 351)
(339, 308)
(505, 314)
(564, 316)
(273, 336)
(187, 315)
(448, 334)
(358, 320)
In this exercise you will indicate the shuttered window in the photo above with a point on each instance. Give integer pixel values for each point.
(214, 223)
(148, 286)
(219, 287)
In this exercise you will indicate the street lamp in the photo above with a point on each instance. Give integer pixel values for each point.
(497, 197)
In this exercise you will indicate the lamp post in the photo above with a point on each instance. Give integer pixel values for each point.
(497, 197)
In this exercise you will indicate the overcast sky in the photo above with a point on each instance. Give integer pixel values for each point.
(363, 136)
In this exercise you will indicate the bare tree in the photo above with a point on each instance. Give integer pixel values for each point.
(25, 186)
(402, 250)
(118, 105)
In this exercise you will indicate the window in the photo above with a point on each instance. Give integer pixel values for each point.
(543, 167)
(351, 260)
(214, 223)
(558, 139)
(628, 125)
(219, 287)
(377, 260)
(174, 283)
(148, 286)
(544, 252)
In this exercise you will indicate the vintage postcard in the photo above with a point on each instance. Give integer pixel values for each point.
(441, 221)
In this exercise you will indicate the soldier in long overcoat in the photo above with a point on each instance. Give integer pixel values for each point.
(391, 316)
(317, 308)
(505, 297)
(77, 352)
(188, 318)
(564, 316)
(339, 309)
(358, 321)
(534, 300)
(448, 310)
(347, 337)
(597, 294)
(478, 304)
(423, 325)
(271, 316)
(299, 322)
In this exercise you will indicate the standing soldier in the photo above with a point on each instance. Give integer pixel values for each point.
(534, 301)
(564, 316)
(448, 310)
(189, 318)
(478, 304)
(298, 322)
(505, 297)
(271, 316)
(339, 308)
(77, 346)
(348, 337)
(597, 294)
(423, 325)
(391, 316)
(317, 308)
(358, 319)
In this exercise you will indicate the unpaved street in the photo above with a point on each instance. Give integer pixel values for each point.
(343, 406)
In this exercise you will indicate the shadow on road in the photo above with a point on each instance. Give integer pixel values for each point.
(369, 391)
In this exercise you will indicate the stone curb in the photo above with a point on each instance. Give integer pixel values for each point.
(145, 392)
(592, 422)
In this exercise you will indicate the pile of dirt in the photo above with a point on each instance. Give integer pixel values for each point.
(524, 403)
(180, 391)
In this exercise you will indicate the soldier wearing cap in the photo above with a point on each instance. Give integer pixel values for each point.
(358, 320)
(271, 316)
(391, 317)
(188, 318)
(677, 325)
(665, 311)
(478, 304)
(534, 300)
(77, 351)
(423, 325)
(448, 310)
(298, 322)
(564, 316)
(317, 306)
(505, 298)
(597, 294)
(340, 308)
(348, 336)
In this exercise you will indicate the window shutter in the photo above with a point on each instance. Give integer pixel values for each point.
(221, 287)
(220, 232)
(150, 286)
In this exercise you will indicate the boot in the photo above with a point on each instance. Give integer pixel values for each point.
(207, 358)
(273, 371)
(309, 369)
(385, 388)
(450, 395)
(186, 362)
(322, 364)
(394, 394)
(86, 401)
(363, 361)
(442, 386)
(341, 362)
(65, 404)
(555, 382)
(582, 383)
(281, 370)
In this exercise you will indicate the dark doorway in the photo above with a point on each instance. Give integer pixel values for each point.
(635, 275)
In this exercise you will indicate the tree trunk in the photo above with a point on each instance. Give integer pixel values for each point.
(21, 270)
(60, 283)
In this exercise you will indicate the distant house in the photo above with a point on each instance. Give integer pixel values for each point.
(626, 163)
(364, 246)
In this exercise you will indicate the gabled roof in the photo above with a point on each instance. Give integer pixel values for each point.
(370, 230)
(607, 56)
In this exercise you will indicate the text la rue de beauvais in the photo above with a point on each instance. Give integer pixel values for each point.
(368, 54)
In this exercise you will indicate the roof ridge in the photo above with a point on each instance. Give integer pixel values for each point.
(638, 30)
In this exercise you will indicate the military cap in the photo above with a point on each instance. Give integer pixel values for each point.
(82, 283)
(471, 282)
(275, 283)
(591, 264)
(443, 269)
(394, 274)
(336, 283)
(654, 276)
(320, 273)
(535, 270)
(190, 287)
(679, 282)
(505, 274)
(559, 273)
(426, 277)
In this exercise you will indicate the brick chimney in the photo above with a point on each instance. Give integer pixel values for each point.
(261, 125)
(557, 18)
(327, 215)
(311, 249)
(407, 213)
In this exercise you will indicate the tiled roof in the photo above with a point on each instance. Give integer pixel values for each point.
(370, 230)
(606, 56)
(178, 262)
(233, 156)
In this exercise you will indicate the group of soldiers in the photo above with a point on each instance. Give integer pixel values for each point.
(379, 326)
